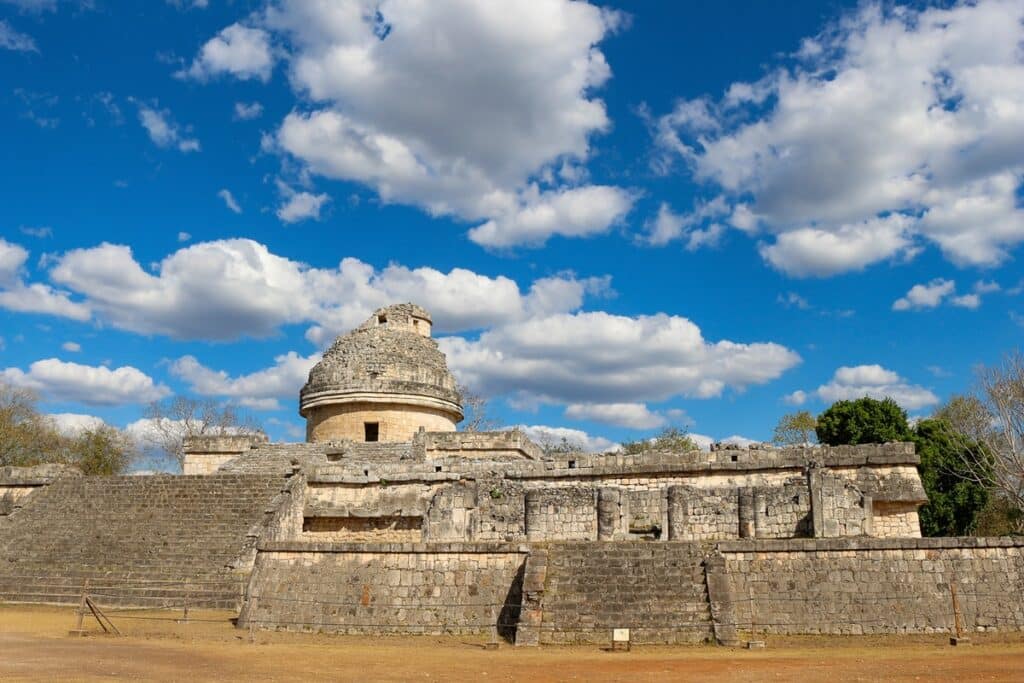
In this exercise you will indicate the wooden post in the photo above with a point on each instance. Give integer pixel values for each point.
(78, 630)
(185, 611)
(957, 618)
(493, 645)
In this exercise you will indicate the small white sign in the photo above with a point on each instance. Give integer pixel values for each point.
(620, 635)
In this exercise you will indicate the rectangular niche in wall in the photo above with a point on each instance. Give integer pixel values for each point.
(364, 529)
(372, 431)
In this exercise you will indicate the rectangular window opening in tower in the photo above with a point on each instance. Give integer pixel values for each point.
(372, 431)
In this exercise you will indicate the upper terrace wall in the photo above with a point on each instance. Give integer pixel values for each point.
(873, 490)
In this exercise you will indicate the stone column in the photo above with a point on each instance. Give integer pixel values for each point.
(721, 600)
(746, 512)
(535, 527)
(678, 514)
(868, 527)
(817, 501)
(760, 510)
(608, 512)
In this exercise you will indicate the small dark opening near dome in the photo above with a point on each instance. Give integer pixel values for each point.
(372, 431)
(381, 319)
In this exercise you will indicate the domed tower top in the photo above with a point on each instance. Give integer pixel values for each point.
(381, 382)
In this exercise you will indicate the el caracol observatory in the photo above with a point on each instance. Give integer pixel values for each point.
(383, 381)
(389, 520)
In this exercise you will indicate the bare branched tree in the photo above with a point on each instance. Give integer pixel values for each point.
(474, 406)
(175, 418)
(990, 424)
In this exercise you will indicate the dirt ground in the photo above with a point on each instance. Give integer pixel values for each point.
(35, 645)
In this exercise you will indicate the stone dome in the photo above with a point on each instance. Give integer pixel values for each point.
(381, 382)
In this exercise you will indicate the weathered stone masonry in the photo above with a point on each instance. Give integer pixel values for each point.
(389, 521)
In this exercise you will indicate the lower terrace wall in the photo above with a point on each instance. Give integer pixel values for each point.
(667, 592)
(862, 586)
(444, 588)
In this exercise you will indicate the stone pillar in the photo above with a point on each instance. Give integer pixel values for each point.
(814, 483)
(535, 527)
(608, 512)
(746, 512)
(760, 511)
(868, 527)
(531, 615)
(721, 599)
(678, 513)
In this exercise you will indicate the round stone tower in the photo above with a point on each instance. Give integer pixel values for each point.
(381, 382)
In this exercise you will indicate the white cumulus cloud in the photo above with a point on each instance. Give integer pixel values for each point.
(231, 288)
(895, 128)
(242, 51)
(457, 106)
(163, 130)
(259, 390)
(631, 415)
(58, 380)
(873, 381)
(603, 358)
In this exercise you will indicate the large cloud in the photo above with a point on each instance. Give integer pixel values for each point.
(893, 127)
(470, 108)
(62, 381)
(259, 390)
(230, 288)
(602, 358)
(874, 381)
(16, 295)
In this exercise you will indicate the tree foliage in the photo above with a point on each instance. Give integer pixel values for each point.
(671, 439)
(795, 429)
(865, 420)
(989, 423)
(954, 499)
(172, 420)
(28, 437)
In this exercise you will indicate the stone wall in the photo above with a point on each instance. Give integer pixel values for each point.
(385, 588)
(205, 454)
(396, 422)
(16, 483)
(894, 520)
(673, 592)
(720, 495)
(855, 586)
(512, 444)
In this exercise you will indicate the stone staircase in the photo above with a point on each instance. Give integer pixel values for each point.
(148, 541)
(657, 590)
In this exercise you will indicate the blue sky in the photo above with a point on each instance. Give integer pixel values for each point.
(622, 215)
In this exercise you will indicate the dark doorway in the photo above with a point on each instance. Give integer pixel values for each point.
(372, 430)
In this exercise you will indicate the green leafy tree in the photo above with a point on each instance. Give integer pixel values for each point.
(865, 420)
(670, 439)
(955, 501)
(795, 429)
